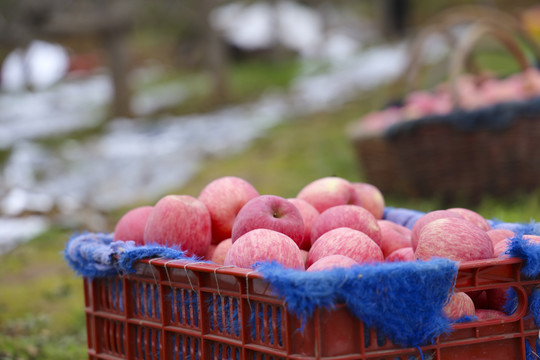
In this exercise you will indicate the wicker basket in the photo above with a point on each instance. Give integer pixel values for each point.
(464, 154)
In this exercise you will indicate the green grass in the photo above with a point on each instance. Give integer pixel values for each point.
(41, 302)
(246, 81)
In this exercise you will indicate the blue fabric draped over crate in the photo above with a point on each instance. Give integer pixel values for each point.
(402, 300)
(496, 117)
(96, 254)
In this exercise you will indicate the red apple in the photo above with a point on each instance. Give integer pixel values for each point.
(489, 314)
(224, 197)
(371, 198)
(401, 229)
(460, 305)
(269, 212)
(309, 214)
(473, 217)
(403, 254)
(210, 252)
(502, 246)
(427, 218)
(180, 220)
(418, 104)
(499, 250)
(496, 298)
(264, 245)
(498, 235)
(304, 256)
(479, 298)
(351, 216)
(378, 121)
(131, 225)
(327, 192)
(453, 238)
(533, 239)
(393, 237)
(332, 261)
(345, 241)
(221, 251)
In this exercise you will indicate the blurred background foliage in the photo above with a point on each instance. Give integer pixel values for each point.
(41, 301)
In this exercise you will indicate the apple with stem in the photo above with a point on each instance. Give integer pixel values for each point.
(269, 212)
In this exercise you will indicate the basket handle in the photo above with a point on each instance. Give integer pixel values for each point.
(409, 76)
(465, 46)
(463, 14)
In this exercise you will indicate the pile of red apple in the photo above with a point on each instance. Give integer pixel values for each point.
(472, 93)
(330, 223)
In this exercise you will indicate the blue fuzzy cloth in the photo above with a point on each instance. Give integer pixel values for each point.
(94, 255)
(402, 300)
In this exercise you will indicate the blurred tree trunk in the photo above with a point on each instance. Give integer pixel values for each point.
(393, 18)
(279, 51)
(61, 20)
(216, 56)
(115, 45)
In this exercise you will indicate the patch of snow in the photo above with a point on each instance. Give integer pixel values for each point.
(300, 27)
(14, 231)
(260, 25)
(158, 98)
(41, 65)
(19, 200)
(249, 27)
(55, 111)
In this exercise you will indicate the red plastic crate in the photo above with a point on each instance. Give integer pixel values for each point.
(172, 310)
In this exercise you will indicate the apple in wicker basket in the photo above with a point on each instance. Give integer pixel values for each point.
(131, 225)
(269, 212)
(351, 216)
(348, 242)
(327, 192)
(180, 220)
(264, 245)
(453, 238)
(224, 197)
